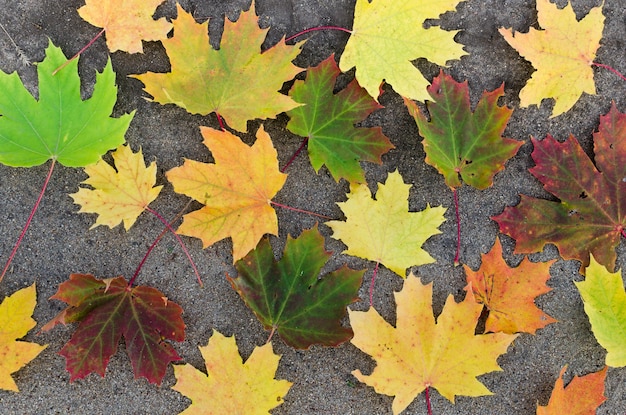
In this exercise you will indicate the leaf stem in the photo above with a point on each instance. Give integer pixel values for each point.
(458, 227)
(269, 338)
(428, 407)
(180, 242)
(314, 29)
(296, 154)
(30, 218)
(372, 284)
(299, 210)
(78, 53)
(220, 121)
(609, 68)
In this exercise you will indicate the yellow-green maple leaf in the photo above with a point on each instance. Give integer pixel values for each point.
(419, 353)
(119, 194)
(237, 81)
(15, 321)
(562, 52)
(388, 34)
(231, 386)
(383, 230)
(605, 304)
(236, 190)
(126, 22)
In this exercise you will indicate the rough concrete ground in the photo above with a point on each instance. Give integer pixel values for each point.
(59, 241)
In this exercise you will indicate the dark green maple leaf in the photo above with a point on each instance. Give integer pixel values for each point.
(288, 297)
(590, 215)
(108, 310)
(459, 143)
(59, 125)
(327, 121)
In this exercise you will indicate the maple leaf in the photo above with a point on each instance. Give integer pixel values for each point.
(582, 396)
(231, 386)
(237, 190)
(383, 230)
(237, 81)
(459, 143)
(562, 52)
(120, 194)
(126, 22)
(108, 310)
(604, 299)
(15, 321)
(591, 213)
(509, 293)
(327, 120)
(419, 353)
(60, 125)
(387, 35)
(288, 297)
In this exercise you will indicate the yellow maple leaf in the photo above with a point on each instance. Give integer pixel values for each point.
(419, 353)
(383, 230)
(126, 22)
(120, 194)
(15, 321)
(237, 81)
(388, 34)
(231, 386)
(236, 190)
(562, 53)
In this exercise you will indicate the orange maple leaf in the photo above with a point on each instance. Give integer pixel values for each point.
(419, 353)
(120, 194)
(509, 293)
(126, 22)
(582, 396)
(236, 191)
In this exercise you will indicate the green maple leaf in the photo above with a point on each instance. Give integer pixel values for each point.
(59, 125)
(605, 304)
(237, 81)
(327, 120)
(462, 144)
(109, 310)
(287, 296)
(590, 215)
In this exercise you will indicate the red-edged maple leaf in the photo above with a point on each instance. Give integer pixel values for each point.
(461, 143)
(288, 297)
(591, 214)
(327, 120)
(109, 309)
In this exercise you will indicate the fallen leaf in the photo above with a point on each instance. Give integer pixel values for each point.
(288, 297)
(582, 396)
(383, 230)
(419, 353)
(509, 293)
(459, 143)
(590, 214)
(562, 52)
(327, 120)
(15, 321)
(388, 34)
(60, 125)
(231, 386)
(127, 22)
(604, 299)
(120, 193)
(108, 310)
(237, 81)
(236, 191)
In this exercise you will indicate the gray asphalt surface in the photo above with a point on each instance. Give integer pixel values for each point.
(59, 241)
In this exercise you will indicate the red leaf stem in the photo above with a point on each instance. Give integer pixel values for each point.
(79, 52)
(314, 29)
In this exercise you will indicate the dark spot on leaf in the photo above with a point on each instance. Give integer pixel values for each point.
(582, 195)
